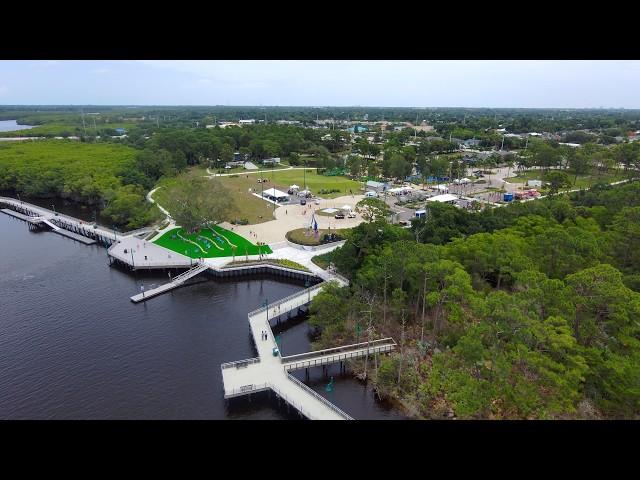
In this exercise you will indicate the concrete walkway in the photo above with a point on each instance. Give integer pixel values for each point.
(267, 372)
(291, 217)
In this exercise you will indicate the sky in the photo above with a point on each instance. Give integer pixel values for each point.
(375, 83)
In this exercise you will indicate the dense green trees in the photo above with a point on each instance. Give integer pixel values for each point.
(520, 312)
(196, 202)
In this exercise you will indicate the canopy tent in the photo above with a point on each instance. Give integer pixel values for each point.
(304, 193)
(446, 198)
(441, 187)
(346, 207)
(274, 194)
(294, 187)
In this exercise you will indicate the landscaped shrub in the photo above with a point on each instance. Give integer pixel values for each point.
(328, 191)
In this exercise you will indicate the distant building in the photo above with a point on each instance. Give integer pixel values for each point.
(472, 142)
(234, 164)
(120, 131)
(240, 157)
(247, 122)
(271, 161)
(376, 186)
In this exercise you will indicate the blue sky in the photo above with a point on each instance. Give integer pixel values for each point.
(420, 83)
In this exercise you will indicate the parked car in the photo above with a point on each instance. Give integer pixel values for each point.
(303, 201)
(351, 215)
(339, 215)
(317, 201)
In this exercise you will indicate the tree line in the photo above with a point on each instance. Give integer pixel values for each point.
(525, 311)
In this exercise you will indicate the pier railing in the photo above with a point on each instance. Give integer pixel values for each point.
(290, 401)
(198, 267)
(240, 363)
(319, 397)
(244, 389)
(373, 346)
(280, 301)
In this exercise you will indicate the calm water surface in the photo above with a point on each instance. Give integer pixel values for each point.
(12, 126)
(72, 345)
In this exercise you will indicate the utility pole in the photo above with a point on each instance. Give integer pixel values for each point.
(83, 125)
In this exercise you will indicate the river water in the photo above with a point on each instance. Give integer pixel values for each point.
(72, 345)
(12, 126)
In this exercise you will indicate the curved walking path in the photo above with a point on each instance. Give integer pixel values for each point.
(151, 200)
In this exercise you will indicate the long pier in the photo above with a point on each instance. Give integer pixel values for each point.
(60, 223)
(270, 371)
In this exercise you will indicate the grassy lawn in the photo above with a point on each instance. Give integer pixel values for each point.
(284, 178)
(251, 208)
(245, 205)
(209, 244)
(301, 236)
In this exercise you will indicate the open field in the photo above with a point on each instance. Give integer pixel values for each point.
(209, 243)
(245, 205)
(282, 179)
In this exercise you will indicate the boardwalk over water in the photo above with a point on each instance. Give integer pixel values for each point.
(270, 371)
(85, 232)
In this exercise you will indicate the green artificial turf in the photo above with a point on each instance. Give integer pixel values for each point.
(177, 244)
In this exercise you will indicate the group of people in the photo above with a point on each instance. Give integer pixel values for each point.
(265, 336)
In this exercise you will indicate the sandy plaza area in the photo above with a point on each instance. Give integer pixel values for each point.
(291, 217)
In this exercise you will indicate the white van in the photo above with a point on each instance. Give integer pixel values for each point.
(371, 194)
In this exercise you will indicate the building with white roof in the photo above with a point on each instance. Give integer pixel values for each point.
(445, 198)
